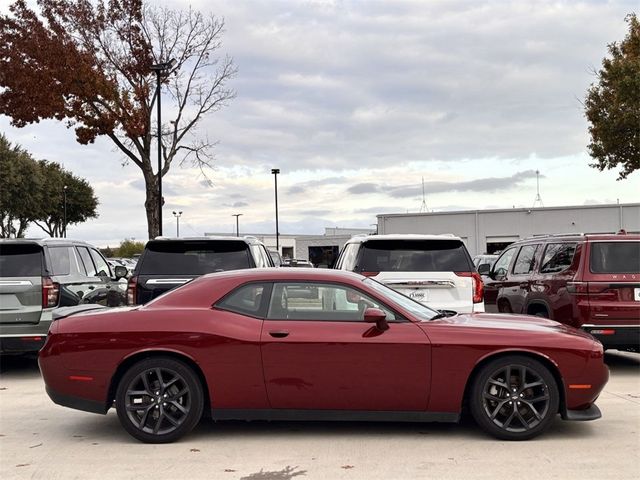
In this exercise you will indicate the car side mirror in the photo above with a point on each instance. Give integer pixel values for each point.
(377, 316)
(120, 272)
(484, 269)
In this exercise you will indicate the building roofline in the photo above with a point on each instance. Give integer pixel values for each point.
(504, 210)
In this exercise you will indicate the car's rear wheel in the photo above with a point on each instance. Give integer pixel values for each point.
(159, 400)
(514, 398)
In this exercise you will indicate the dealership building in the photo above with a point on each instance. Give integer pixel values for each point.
(490, 231)
(483, 231)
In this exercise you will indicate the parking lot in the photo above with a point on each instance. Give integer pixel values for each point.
(39, 439)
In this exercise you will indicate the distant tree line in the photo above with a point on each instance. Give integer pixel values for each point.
(127, 249)
(33, 191)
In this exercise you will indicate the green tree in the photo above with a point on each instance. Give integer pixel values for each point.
(89, 63)
(612, 106)
(129, 247)
(21, 189)
(81, 203)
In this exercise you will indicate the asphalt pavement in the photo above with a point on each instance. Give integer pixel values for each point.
(41, 440)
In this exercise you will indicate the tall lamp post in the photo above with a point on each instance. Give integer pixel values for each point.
(160, 69)
(177, 215)
(64, 212)
(275, 172)
(237, 215)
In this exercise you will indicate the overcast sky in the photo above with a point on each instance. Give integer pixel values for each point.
(357, 101)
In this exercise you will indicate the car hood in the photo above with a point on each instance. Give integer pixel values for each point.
(498, 322)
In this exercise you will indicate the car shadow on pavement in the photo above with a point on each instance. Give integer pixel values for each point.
(619, 361)
(16, 366)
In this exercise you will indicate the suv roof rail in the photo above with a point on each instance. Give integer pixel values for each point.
(551, 235)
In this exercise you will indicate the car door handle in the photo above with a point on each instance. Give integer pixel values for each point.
(279, 333)
(524, 285)
(91, 287)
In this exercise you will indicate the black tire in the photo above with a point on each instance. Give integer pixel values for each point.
(514, 409)
(169, 395)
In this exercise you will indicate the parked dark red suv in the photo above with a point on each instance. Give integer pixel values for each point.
(587, 281)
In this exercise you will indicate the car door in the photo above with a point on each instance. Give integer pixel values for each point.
(517, 286)
(494, 282)
(318, 353)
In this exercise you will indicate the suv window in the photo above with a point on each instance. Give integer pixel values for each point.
(101, 264)
(414, 256)
(64, 261)
(195, 257)
(348, 258)
(557, 257)
(20, 260)
(525, 260)
(86, 260)
(501, 266)
(615, 257)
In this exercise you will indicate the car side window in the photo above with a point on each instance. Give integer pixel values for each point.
(101, 264)
(258, 258)
(86, 260)
(321, 301)
(557, 257)
(348, 258)
(501, 266)
(525, 260)
(246, 300)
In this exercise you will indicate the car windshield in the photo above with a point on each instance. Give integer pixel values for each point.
(195, 258)
(414, 256)
(418, 310)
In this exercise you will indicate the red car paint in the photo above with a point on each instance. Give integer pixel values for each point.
(416, 366)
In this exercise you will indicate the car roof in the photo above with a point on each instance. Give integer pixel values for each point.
(286, 273)
(210, 238)
(45, 241)
(402, 236)
(581, 237)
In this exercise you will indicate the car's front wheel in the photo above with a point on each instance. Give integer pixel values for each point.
(514, 398)
(159, 400)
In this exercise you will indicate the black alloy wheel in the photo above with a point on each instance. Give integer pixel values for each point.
(514, 398)
(159, 400)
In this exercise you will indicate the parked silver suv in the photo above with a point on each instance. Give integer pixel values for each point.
(38, 275)
(435, 270)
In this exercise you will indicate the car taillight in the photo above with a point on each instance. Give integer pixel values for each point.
(131, 290)
(50, 292)
(476, 284)
(369, 274)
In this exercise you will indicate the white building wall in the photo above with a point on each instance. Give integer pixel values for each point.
(476, 227)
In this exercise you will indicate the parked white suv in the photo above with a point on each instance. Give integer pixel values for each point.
(435, 270)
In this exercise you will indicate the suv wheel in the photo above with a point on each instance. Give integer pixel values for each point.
(514, 398)
(159, 400)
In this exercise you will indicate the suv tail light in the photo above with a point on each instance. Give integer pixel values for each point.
(50, 292)
(476, 284)
(577, 287)
(131, 290)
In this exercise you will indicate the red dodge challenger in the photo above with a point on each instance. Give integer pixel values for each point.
(282, 344)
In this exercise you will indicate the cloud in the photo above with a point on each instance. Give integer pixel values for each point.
(235, 204)
(361, 188)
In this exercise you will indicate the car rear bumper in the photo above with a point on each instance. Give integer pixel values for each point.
(76, 403)
(622, 337)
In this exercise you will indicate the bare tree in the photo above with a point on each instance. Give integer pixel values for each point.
(94, 64)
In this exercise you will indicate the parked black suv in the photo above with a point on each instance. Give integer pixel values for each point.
(167, 263)
(38, 275)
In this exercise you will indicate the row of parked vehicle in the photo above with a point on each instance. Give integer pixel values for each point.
(586, 281)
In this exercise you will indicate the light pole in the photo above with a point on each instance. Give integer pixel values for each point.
(237, 215)
(275, 172)
(64, 212)
(160, 68)
(177, 215)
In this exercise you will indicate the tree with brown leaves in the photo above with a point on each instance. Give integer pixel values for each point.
(88, 63)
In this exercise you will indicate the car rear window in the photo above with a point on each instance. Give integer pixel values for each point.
(194, 258)
(615, 257)
(20, 260)
(414, 256)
